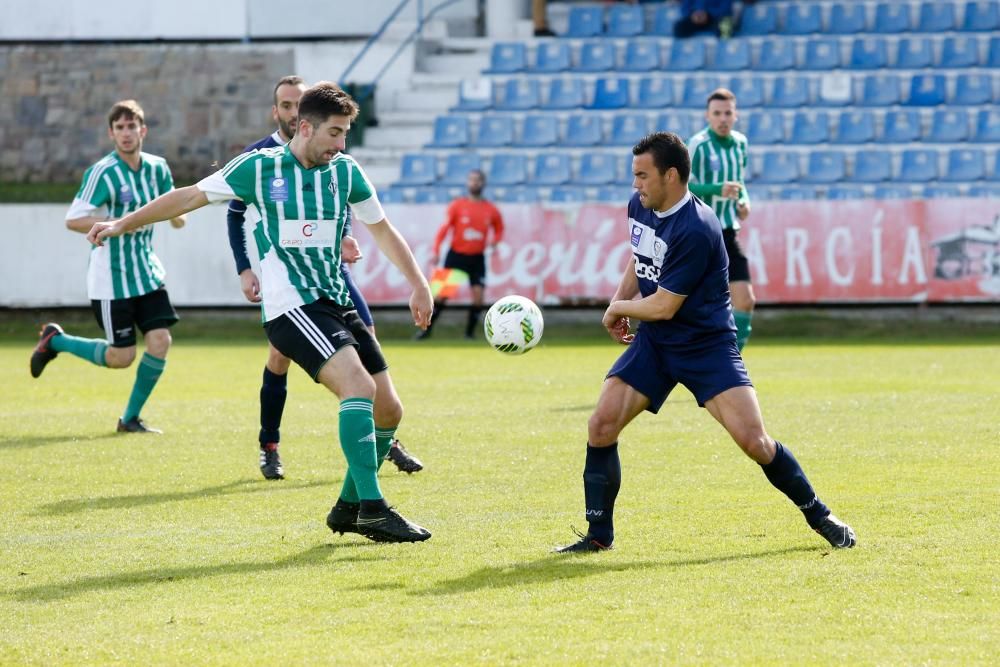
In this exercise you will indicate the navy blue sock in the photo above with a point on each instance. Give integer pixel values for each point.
(272, 404)
(785, 473)
(602, 477)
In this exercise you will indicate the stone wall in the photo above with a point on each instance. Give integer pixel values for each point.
(203, 104)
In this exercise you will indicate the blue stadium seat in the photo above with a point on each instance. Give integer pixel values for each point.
(678, 123)
(664, 17)
(901, 127)
(869, 53)
(584, 130)
(597, 56)
(842, 192)
(880, 90)
(892, 17)
(688, 54)
(540, 130)
(749, 91)
(802, 18)
(625, 177)
(624, 21)
(919, 165)
(759, 19)
(457, 167)
(825, 167)
(987, 126)
(610, 93)
(597, 169)
(992, 191)
(614, 193)
(822, 54)
(936, 16)
(628, 128)
(855, 127)
(430, 195)
(553, 169)
(995, 176)
(836, 89)
(565, 94)
(797, 194)
(766, 127)
(957, 52)
(509, 169)
(495, 131)
(941, 192)
(926, 90)
(697, 89)
(964, 165)
(981, 16)
(847, 18)
(779, 167)
(551, 57)
(777, 55)
(567, 195)
(895, 191)
(872, 167)
(732, 55)
(585, 22)
(973, 89)
(948, 126)
(393, 195)
(418, 169)
(474, 95)
(655, 92)
(517, 195)
(993, 56)
(519, 95)
(810, 127)
(914, 53)
(508, 57)
(790, 91)
(641, 55)
(450, 132)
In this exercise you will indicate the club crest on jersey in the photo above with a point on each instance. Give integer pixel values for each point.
(333, 185)
(125, 195)
(636, 235)
(279, 189)
(659, 251)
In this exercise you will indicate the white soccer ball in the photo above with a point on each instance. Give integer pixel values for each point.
(513, 325)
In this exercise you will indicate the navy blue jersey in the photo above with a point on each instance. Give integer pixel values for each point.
(682, 251)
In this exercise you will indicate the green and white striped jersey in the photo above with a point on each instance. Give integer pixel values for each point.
(302, 216)
(124, 266)
(715, 160)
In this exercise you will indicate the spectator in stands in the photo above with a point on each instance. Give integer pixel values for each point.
(540, 17)
(699, 16)
(470, 221)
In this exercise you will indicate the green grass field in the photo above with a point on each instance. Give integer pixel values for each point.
(173, 550)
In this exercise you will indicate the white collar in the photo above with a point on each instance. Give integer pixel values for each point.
(676, 207)
(277, 138)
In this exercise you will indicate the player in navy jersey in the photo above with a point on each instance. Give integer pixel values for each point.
(273, 390)
(679, 272)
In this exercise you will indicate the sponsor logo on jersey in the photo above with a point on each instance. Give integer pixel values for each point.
(278, 190)
(636, 235)
(714, 163)
(125, 195)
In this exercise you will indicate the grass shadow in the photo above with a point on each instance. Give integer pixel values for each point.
(307, 558)
(30, 442)
(75, 505)
(559, 567)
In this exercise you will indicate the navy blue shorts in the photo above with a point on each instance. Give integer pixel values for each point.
(360, 304)
(654, 370)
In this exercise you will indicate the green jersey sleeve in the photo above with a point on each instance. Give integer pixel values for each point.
(237, 180)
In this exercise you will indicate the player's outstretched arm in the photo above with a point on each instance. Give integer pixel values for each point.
(173, 204)
(394, 246)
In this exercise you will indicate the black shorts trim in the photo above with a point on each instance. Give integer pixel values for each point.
(120, 317)
(739, 266)
(474, 265)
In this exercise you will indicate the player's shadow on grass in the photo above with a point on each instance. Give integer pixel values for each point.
(308, 558)
(74, 505)
(30, 442)
(558, 567)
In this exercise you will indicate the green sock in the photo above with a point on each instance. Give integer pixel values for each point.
(743, 327)
(383, 442)
(149, 371)
(357, 439)
(88, 349)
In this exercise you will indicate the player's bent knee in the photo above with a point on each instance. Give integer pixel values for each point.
(602, 431)
(756, 444)
(158, 342)
(119, 357)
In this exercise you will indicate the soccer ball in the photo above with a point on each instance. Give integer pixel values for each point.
(513, 325)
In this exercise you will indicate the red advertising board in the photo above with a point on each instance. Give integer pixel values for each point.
(864, 251)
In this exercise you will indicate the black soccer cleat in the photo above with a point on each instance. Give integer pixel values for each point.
(136, 425)
(43, 352)
(343, 518)
(585, 544)
(405, 461)
(388, 525)
(836, 532)
(270, 462)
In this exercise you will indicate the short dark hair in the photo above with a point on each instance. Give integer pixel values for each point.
(723, 94)
(325, 99)
(127, 109)
(668, 151)
(290, 80)
(482, 174)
